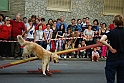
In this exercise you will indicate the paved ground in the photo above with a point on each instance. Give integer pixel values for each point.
(72, 72)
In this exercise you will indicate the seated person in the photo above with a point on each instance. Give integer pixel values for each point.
(82, 53)
(95, 55)
(69, 45)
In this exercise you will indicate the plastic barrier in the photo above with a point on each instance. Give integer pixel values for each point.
(35, 58)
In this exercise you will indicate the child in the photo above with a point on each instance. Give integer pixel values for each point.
(95, 55)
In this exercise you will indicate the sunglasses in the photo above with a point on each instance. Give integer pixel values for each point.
(7, 20)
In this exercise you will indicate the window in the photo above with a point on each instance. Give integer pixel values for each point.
(59, 5)
(4, 5)
(113, 7)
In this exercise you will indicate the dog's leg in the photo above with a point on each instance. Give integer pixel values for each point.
(44, 67)
(24, 55)
(47, 67)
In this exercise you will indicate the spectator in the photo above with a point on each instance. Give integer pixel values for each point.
(33, 18)
(18, 28)
(83, 22)
(69, 45)
(58, 20)
(99, 47)
(60, 34)
(39, 18)
(79, 25)
(95, 28)
(88, 37)
(25, 20)
(50, 22)
(5, 34)
(62, 22)
(69, 33)
(95, 55)
(82, 53)
(111, 26)
(30, 30)
(73, 25)
(53, 42)
(103, 29)
(43, 23)
(37, 21)
(2, 19)
(39, 35)
(48, 36)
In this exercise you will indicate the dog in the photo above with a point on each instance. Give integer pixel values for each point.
(39, 51)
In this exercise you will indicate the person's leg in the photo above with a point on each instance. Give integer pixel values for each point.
(8, 49)
(120, 72)
(2, 44)
(110, 71)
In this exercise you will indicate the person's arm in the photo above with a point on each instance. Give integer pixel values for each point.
(103, 41)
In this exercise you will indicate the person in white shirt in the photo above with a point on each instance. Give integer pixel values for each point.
(95, 55)
(48, 36)
(39, 35)
(30, 30)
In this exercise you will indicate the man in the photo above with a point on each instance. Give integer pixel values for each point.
(73, 25)
(115, 58)
(18, 28)
(62, 22)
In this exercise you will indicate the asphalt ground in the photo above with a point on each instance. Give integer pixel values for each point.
(73, 71)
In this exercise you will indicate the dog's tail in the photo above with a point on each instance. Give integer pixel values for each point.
(20, 40)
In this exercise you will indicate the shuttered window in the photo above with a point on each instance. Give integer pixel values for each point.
(59, 5)
(4, 5)
(113, 7)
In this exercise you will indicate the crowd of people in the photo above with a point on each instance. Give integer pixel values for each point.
(52, 35)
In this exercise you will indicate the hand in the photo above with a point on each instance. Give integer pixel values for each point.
(112, 50)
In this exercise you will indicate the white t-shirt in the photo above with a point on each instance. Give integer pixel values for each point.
(48, 33)
(95, 53)
(39, 35)
(30, 34)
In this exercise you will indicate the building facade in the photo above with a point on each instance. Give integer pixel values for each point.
(78, 9)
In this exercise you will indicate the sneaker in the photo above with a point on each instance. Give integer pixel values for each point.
(64, 57)
(77, 56)
(59, 57)
(92, 60)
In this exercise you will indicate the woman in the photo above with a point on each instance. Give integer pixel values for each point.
(60, 34)
(96, 30)
(30, 30)
(53, 42)
(103, 29)
(88, 35)
(5, 34)
(115, 58)
(47, 36)
(39, 36)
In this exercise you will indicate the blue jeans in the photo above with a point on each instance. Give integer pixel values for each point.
(113, 67)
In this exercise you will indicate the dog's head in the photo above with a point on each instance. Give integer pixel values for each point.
(55, 58)
(19, 37)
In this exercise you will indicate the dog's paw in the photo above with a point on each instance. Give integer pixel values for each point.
(44, 74)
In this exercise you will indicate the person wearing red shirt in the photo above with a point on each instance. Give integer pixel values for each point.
(5, 33)
(111, 26)
(18, 28)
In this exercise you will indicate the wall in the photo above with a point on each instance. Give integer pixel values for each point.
(80, 9)
(15, 7)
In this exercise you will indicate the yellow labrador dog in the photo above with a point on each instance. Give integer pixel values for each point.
(37, 50)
